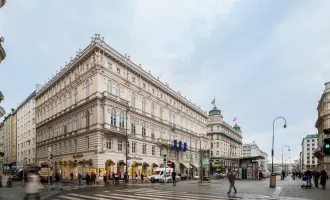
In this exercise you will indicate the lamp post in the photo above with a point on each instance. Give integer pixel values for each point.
(24, 170)
(273, 177)
(127, 143)
(282, 153)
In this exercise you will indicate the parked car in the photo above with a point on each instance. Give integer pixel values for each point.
(183, 176)
(169, 179)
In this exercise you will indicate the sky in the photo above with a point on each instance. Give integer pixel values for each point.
(259, 59)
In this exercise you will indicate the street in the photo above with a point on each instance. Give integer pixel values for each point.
(247, 189)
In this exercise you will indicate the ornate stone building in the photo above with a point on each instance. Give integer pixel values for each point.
(81, 114)
(323, 122)
(226, 142)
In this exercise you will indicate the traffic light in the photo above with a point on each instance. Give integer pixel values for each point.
(164, 160)
(326, 146)
(326, 131)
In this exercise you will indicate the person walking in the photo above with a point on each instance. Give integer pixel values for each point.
(316, 176)
(0, 181)
(174, 178)
(125, 178)
(231, 177)
(57, 181)
(260, 175)
(105, 178)
(324, 178)
(142, 177)
(87, 178)
(33, 187)
(116, 178)
(71, 175)
(309, 174)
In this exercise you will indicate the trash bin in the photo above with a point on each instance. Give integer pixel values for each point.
(272, 180)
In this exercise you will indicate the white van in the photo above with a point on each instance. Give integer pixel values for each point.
(159, 173)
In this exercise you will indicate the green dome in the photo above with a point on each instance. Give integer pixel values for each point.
(215, 111)
(236, 127)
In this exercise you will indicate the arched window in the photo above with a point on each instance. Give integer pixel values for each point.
(69, 100)
(132, 125)
(109, 87)
(153, 108)
(75, 94)
(133, 99)
(144, 104)
(87, 88)
(143, 129)
(161, 112)
(121, 120)
(118, 90)
(113, 117)
(152, 132)
(87, 118)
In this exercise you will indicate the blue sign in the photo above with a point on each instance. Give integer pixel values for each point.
(180, 145)
(175, 144)
(185, 147)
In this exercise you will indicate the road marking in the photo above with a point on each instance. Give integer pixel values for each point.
(67, 197)
(107, 197)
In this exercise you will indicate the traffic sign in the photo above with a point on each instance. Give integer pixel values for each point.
(169, 163)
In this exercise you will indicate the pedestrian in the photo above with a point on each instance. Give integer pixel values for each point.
(109, 178)
(324, 178)
(136, 177)
(87, 178)
(283, 175)
(316, 176)
(174, 178)
(113, 178)
(125, 178)
(79, 178)
(0, 181)
(231, 177)
(33, 186)
(57, 181)
(105, 177)
(116, 178)
(142, 178)
(71, 175)
(309, 174)
(260, 175)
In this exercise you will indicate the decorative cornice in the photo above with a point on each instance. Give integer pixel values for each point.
(2, 50)
(2, 3)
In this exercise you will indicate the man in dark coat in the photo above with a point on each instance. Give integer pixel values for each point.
(316, 176)
(324, 178)
(309, 174)
(174, 178)
(231, 177)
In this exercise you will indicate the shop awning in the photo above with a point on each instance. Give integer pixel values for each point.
(154, 165)
(121, 162)
(185, 165)
(109, 162)
(145, 164)
(193, 166)
(135, 164)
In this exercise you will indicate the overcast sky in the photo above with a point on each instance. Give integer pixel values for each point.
(260, 59)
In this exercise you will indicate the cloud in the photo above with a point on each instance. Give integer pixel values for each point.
(261, 59)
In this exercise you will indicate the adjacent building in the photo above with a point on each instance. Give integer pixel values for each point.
(101, 101)
(9, 140)
(252, 150)
(26, 132)
(225, 140)
(308, 145)
(323, 122)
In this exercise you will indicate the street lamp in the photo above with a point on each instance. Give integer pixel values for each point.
(282, 153)
(127, 143)
(273, 177)
(23, 170)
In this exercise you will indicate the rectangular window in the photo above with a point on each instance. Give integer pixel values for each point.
(133, 79)
(217, 153)
(109, 143)
(133, 147)
(153, 149)
(217, 144)
(144, 149)
(75, 145)
(118, 70)
(120, 145)
(87, 142)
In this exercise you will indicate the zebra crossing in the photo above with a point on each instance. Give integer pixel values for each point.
(155, 194)
(139, 194)
(69, 187)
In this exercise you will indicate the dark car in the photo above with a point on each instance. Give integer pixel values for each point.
(183, 176)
